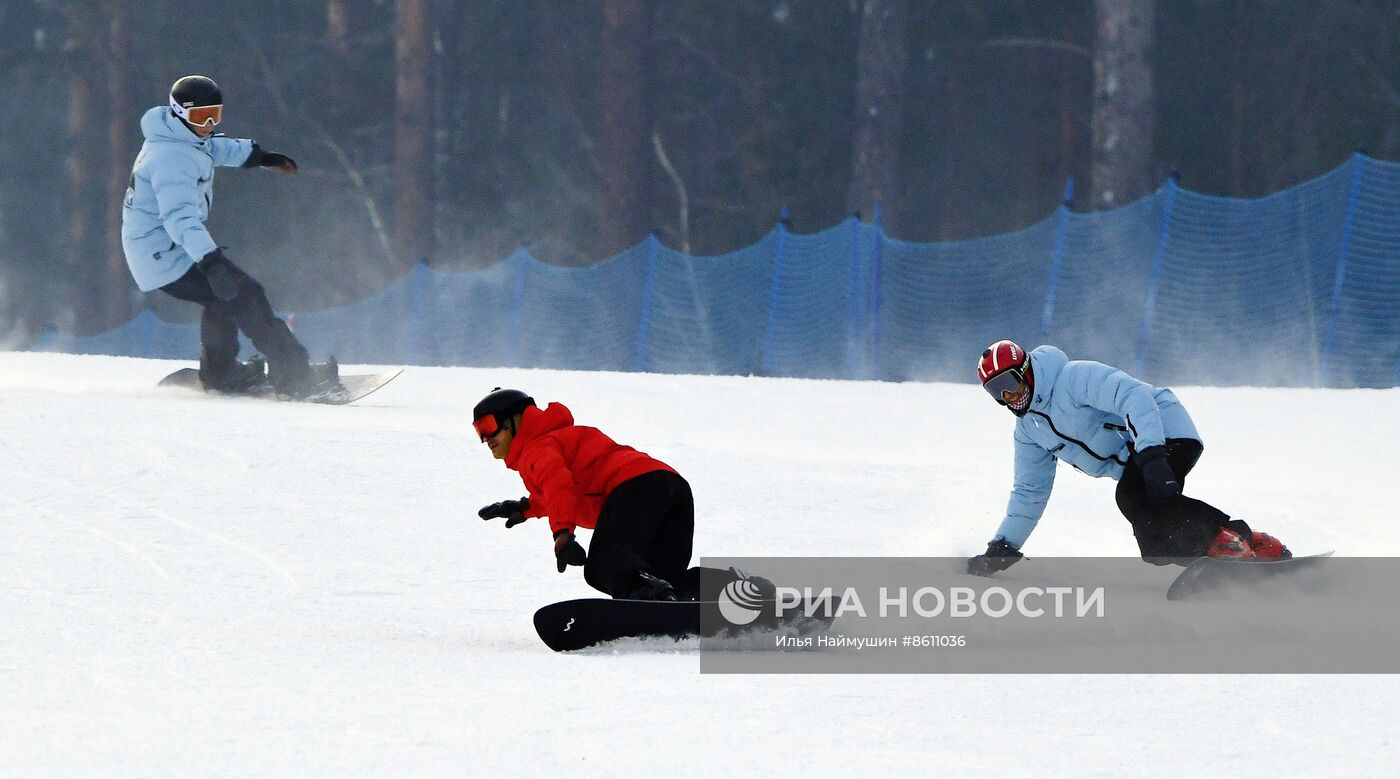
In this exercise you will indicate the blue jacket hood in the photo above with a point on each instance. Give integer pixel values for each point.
(1046, 364)
(158, 124)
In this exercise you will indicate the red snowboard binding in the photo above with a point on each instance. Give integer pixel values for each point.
(1230, 545)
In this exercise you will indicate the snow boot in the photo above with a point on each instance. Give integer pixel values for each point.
(1229, 545)
(254, 372)
(326, 374)
(649, 586)
(714, 580)
(241, 377)
(305, 381)
(1266, 547)
(765, 588)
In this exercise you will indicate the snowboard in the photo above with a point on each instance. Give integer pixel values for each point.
(577, 624)
(349, 390)
(1208, 574)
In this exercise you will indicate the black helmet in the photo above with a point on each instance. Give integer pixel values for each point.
(499, 406)
(196, 92)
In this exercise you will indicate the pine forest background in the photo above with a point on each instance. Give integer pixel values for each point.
(452, 132)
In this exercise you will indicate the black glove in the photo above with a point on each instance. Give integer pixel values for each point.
(512, 510)
(567, 551)
(1162, 484)
(222, 276)
(998, 557)
(270, 159)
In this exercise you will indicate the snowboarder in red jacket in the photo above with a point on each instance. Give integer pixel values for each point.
(640, 509)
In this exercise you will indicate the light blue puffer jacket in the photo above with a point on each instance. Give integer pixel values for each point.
(1085, 413)
(168, 199)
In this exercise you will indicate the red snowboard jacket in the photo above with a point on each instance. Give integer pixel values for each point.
(568, 469)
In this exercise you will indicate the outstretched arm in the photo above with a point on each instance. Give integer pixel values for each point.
(1030, 492)
(230, 152)
(512, 511)
(1035, 477)
(260, 158)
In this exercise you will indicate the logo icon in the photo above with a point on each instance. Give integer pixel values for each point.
(740, 602)
(571, 624)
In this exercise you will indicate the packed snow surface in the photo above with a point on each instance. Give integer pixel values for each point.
(193, 585)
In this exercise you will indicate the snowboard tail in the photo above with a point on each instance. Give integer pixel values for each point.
(347, 390)
(1207, 574)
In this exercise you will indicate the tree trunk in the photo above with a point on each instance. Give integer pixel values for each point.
(120, 152)
(338, 28)
(413, 132)
(84, 251)
(1070, 100)
(1123, 109)
(1238, 99)
(446, 98)
(339, 83)
(882, 61)
(624, 150)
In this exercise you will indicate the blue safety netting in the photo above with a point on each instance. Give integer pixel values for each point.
(1300, 288)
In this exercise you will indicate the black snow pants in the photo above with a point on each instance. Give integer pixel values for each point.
(250, 312)
(1182, 528)
(647, 523)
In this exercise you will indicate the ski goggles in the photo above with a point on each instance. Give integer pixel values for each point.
(199, 115)
(1008, 381)
(487, 426)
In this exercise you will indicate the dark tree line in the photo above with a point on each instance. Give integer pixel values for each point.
(453, 131)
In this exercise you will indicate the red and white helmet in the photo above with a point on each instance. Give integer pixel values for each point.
(1005, 373)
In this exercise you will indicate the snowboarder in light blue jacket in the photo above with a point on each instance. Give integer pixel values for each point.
(1104, 422)
(168, 248)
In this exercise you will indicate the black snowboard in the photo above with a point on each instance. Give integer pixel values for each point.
(1208, 574)
(576, 624)
(349, 389)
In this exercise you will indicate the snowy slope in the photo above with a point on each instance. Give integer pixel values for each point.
(202, 586)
